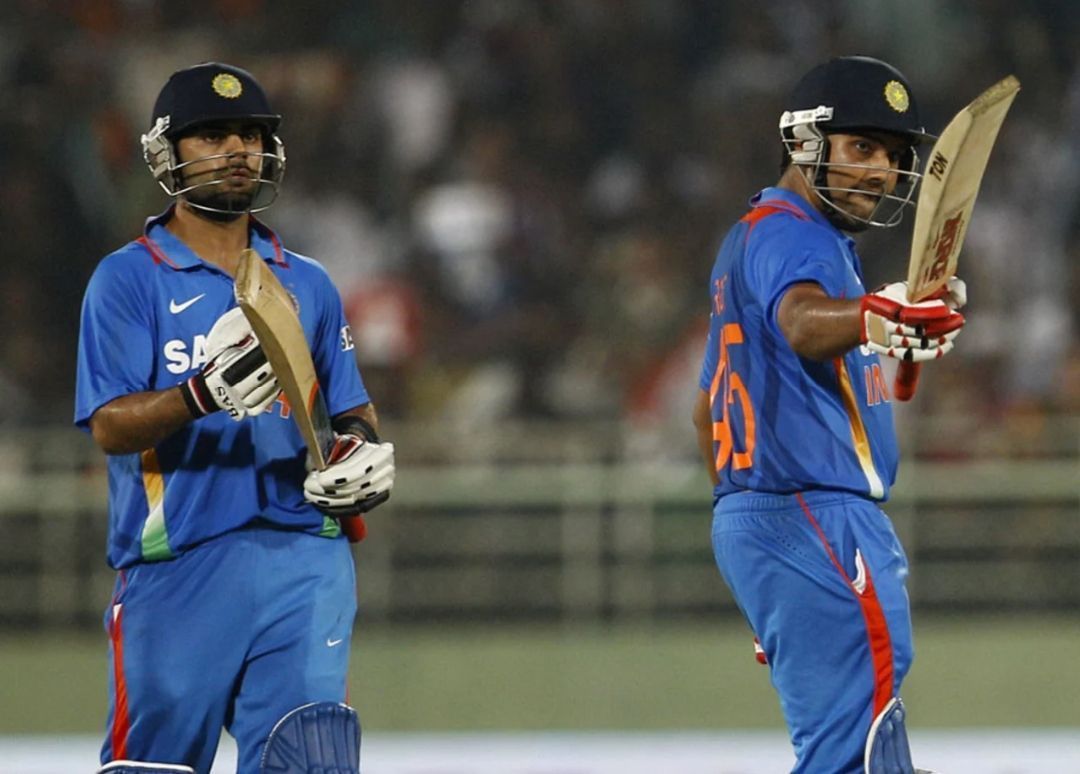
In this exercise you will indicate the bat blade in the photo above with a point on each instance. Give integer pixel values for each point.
(272, 313)
(947, 195)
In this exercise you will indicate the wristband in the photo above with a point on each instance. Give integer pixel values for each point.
(197, 397)
(351, 423)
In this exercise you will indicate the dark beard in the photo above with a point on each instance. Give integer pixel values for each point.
(843, 222)
(839, 218)
(227, 206)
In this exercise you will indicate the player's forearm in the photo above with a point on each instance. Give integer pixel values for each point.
(816, 326)
(703, 426)
(133, 423)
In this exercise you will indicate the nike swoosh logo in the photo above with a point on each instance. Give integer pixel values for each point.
(176, 308)
(331, 643)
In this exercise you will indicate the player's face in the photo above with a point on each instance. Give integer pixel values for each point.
(225, 164)
(873, 159)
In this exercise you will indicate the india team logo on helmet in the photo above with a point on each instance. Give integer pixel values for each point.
(227, 85)
(897, 97)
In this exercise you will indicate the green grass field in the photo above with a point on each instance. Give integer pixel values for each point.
(968, 672)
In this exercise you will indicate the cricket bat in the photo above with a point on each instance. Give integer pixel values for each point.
(272, 313)
(946, 198)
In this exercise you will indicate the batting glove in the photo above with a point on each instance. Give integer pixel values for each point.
(358, 476)
(237, 379)
(915, 332)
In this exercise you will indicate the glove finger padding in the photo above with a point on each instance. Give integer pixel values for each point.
(353, 462)
(926, 314)
(890, 303)
(943, 328)
(237, 378)
(359, 476)
(262, 398)
(347, 505)
(241, 381)
(914, 332)
(915, 341)
(252, 379)
(915, 350)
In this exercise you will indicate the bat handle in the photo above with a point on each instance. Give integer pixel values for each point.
(907, 379)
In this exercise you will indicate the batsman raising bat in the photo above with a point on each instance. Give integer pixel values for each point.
(794, 420)
(235, 591)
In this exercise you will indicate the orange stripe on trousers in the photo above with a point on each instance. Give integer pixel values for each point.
(121, 723)
(877, 628)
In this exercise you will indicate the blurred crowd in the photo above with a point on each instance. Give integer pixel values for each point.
(520, 200)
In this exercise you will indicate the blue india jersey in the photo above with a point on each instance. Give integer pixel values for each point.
(145, 316)
(782, 423)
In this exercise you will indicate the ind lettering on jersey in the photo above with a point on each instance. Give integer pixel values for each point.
(718, 288)
(877, 390)
(718, 294)
(181, 357)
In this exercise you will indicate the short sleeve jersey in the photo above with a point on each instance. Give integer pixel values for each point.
(783, 423)
(145, 316)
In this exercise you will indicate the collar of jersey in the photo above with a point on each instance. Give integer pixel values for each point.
(170, 250)
(768, 197)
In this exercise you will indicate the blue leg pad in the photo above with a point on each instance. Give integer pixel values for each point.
(318, 738)
(887, 750)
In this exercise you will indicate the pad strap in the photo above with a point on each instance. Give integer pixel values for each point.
(139, 767)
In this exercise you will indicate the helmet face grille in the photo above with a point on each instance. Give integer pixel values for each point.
(163, 163)
(807, 146)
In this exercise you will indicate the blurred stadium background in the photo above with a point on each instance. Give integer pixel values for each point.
(520, 201)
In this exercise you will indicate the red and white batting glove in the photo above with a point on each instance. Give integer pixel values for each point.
(915, 332)
(237, 379)
(359, 476)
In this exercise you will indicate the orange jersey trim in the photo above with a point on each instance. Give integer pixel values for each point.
(858, 430)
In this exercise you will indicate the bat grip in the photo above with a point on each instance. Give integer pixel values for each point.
(907, 379)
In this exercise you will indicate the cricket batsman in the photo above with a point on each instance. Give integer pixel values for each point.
(235, 588)
(794, 420)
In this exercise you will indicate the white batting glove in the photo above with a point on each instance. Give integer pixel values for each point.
(237, 379)
(915, 332)
(359, 476)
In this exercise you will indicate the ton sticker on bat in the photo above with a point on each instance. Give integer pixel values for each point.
(938, 165)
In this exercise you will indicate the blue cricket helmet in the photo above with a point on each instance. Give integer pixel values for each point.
(209, 92)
